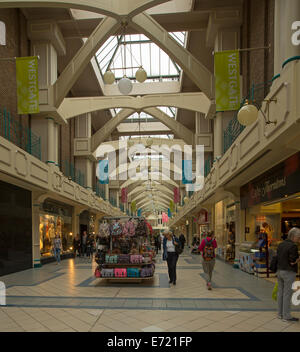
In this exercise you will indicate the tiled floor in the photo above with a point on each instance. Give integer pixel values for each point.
(67, 297)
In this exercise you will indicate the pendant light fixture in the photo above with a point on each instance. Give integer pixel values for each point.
(125, 85)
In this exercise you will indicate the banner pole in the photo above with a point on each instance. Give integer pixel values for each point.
(12, 58)
(250, 49)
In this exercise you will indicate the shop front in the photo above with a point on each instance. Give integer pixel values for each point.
(16, 229)
(55, 218)
(225, 213)
(271, 207)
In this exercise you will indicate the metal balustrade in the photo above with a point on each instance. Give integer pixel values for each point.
(70, 171)
(234, 128)
(22, 136)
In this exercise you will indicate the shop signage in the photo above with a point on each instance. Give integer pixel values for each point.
(280, 181)
(27, 85)
(227, 83)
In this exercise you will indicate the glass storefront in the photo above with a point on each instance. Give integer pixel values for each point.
(16, 229)
(55, 219)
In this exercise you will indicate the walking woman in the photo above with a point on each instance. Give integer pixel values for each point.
(57, 247)
(170, 255)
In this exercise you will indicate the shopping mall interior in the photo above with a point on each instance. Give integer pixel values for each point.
(123, 120)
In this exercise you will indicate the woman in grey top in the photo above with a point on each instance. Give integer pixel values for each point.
(57, 248)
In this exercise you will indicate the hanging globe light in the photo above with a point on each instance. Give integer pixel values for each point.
(108, 77)
(125, 85)
(141, 75)
(247, 114)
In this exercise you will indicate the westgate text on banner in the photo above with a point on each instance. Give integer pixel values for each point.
(227, 81)
(27, 85)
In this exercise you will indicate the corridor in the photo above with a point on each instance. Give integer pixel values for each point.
(68, 297)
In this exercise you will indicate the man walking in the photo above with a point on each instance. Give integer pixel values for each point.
(287, 266)
(182, 240)
(207, 247)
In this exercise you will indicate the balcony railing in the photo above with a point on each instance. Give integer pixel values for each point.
(207, 166)
(71, 172)
(100, 192)
(234, 129)
(15, 132)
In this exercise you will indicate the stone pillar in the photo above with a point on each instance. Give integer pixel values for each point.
(118, 199)
(75, 220)
(46, 42)
(36, 251)
(286, 13)
(107, 192)
(218, 135)
(83, 132)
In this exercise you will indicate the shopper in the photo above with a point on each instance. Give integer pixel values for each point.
(170, 255)
(76, 245)
(182, 240)
(207, 247)
(90, 247)
(83, 243)
(57, 248)
(287, 266)
(157, 243)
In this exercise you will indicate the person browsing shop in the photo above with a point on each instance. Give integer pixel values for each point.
(57, 246)
(207, 247)
(169, 254)
(287, 267)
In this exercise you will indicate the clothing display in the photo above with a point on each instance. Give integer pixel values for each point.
(127, 253)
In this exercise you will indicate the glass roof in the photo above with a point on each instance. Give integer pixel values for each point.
(124, 54)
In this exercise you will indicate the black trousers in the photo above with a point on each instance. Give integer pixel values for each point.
(172, 261)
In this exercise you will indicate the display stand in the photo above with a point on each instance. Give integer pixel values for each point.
(135, 246)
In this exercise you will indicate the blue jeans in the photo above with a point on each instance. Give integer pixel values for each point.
(57, 254)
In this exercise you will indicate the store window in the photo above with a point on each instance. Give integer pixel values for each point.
(2, 33)
(55, 219)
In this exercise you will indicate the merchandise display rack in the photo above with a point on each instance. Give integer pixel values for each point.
(139, 242)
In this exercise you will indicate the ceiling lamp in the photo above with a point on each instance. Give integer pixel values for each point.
(109, 77)
(249, 113)
(141, 75)
(125, 86)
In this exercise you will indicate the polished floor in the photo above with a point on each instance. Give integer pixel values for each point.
(67, 297)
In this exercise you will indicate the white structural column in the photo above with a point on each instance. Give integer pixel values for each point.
(107, 192)
(218, 135)
(287, 12)
(47, 43)
(83, 129)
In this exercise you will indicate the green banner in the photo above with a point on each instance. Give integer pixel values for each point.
(27, 85)
(227, 78)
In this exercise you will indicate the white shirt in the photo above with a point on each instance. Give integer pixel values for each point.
(170, 246)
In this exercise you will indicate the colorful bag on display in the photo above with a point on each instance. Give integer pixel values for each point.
(129, 228)
(116, 229)
(141, 228)
(104, 230)
(136, 259)
(124, 259)
(97, 273)
(120, 272)
(107, 272)
(111, 259)
(147, 272)
(133, 272)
